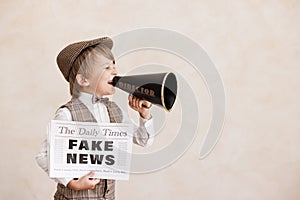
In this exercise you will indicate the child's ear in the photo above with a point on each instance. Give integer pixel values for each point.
(81, 80)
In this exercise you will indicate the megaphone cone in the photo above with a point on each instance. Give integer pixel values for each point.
(160, 89)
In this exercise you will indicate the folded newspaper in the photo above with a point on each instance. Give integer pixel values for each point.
(76, 148)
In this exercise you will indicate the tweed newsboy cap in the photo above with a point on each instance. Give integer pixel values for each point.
(68, 55)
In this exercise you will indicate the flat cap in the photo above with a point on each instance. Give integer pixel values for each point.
(68, 55)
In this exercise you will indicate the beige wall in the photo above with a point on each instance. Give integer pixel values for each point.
(255, 46)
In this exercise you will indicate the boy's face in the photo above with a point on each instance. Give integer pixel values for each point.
(100, 81)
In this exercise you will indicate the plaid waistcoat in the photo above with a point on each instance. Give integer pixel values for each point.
(105, 190)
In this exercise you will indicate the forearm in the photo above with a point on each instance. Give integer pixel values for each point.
(42, 160)
(144, 133)
(42, 156)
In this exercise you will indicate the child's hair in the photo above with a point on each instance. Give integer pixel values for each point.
(84, 65)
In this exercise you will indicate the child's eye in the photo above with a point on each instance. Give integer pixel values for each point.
(111, 66)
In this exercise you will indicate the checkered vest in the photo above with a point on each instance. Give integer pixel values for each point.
(105, 190)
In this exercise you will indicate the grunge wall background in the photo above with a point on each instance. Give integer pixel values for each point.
(255, 46)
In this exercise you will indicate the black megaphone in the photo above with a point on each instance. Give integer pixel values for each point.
(160, 89)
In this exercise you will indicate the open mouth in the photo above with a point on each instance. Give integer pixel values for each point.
(110, 82)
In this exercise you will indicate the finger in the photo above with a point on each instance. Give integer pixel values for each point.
(93, 183)
(90, 174)
(140, 103)
(130, 102)
(133, 103)
(130, 97)
(96, 181)
(136, 102)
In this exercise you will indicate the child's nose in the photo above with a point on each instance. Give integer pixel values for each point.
(114, 71)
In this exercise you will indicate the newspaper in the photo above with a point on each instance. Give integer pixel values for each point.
(76, 148)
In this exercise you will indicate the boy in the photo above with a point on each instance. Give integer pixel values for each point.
(89, 67)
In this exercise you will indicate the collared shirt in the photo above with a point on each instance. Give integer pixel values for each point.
(143, 134)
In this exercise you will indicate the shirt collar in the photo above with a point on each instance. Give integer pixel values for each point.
(85, 98)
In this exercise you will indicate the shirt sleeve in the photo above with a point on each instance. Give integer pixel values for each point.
(143, 134)
(42, 156)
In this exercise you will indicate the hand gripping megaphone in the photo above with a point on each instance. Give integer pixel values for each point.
(160, 89)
